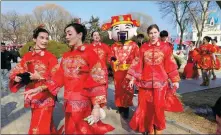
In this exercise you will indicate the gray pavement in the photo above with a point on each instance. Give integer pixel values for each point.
(187, 86)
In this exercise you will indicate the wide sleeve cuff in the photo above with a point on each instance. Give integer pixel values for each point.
(174, 76)
(52, 87)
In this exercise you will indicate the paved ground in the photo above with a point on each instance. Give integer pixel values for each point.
(194, 85)
(15, 119)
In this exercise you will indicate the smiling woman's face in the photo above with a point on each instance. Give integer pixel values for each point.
(41, 41)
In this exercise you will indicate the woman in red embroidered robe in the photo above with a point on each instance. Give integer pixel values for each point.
(207, 60)
(39, 64)
(214, 43)
(191, 70)
(151, 71)
(102, 50)
(82, 75)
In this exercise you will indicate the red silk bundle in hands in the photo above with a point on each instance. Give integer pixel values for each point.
(173, 103)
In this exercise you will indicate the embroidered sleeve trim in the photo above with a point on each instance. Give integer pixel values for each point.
(98, 73)
(99, 100)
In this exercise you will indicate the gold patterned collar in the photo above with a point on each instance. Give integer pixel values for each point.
(126, 43)
(80, 48)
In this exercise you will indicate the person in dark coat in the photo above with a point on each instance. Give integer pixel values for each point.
(5, 66)
(15, 54)
(5, 58)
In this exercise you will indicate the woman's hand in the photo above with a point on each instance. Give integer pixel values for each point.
(131, 83)
(17, 79)
(95, 115)
(176, 85)
(35, 76)
(32, 92)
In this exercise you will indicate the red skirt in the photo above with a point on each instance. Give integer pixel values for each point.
(75, 124)
(75, 113)
(190, 71)
(42, 121)
(150, 110)
(207, 62)
(123, 93)
(216, 65)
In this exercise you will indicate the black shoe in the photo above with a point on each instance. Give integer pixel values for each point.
(145, 133)
(120, 110)
(126, 113)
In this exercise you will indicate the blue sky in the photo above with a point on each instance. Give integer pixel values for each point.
(102, 9)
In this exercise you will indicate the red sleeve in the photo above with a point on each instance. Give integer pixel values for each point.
(109, 53)
(112, 54)
(213, 49)
(136, 68)
(217, 49)
(171, 66)
(136, 50)
(95, 85)
(57, 79)
(19, 68)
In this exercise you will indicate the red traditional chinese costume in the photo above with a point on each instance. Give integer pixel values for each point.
(123, 52)
(152, 70)
(102, 50)
(42, 104)
(124, 55)
(82, 75)
(104, 53)
(191, 70)
(206, 60)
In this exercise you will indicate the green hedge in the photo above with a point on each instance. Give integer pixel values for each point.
(178, 61)
(54, 47)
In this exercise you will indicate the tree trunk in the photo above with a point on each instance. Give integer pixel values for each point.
(181, 39)
(199, 35)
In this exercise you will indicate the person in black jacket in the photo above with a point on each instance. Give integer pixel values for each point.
(5, 58)
(15, 54)
(5, 66)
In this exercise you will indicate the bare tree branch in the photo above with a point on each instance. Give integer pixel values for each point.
(199, 15)
(176, 12)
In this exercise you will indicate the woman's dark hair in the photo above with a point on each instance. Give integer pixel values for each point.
(140, 36)
(193, 42)
(38, 30)
(93, 33)
(30, 48)
(79, 29)
(214, 40)
(164, 33)
(151, 27)
(208, 38)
